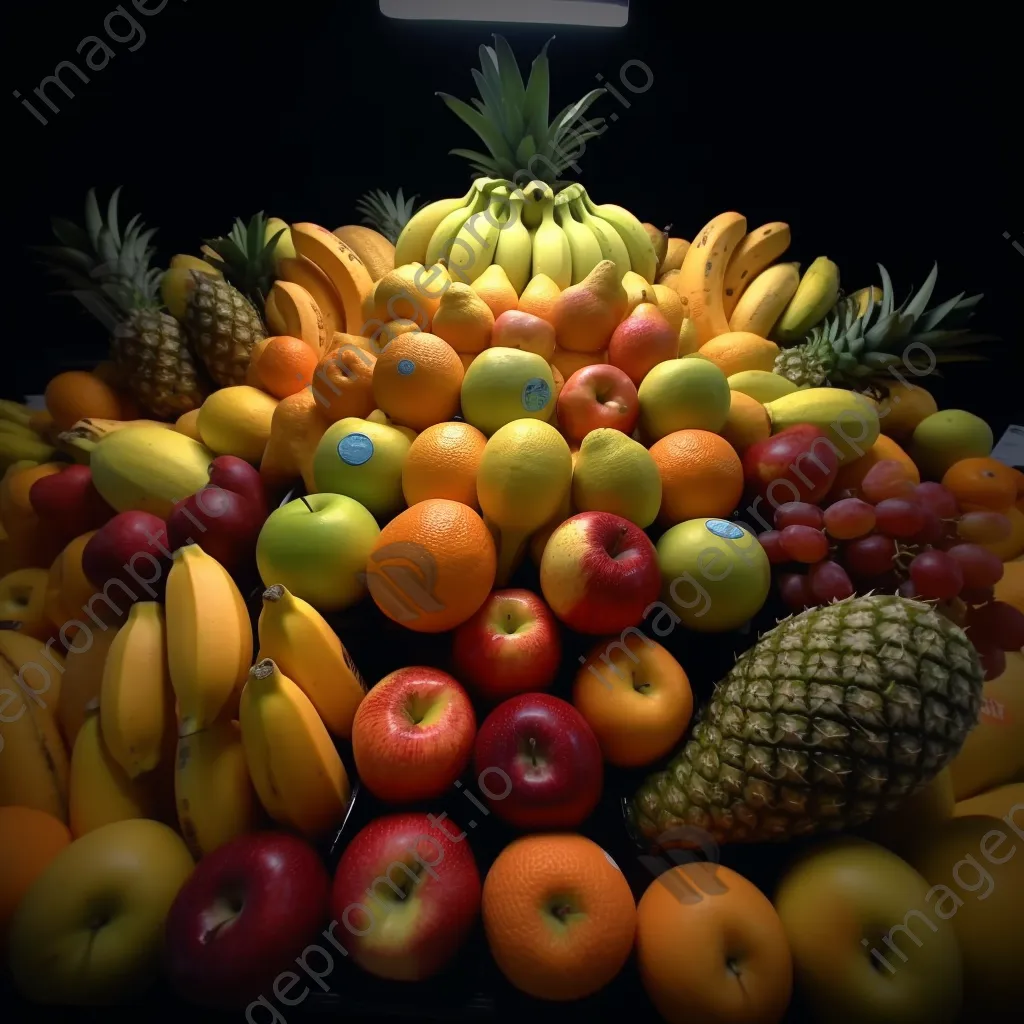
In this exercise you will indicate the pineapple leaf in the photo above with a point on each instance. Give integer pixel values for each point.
(527, 151)
(480, 105)
(93, 218)
(68, 233)
(960, 357)
(491, 97)
(935, 316)
(512, 87)
(919, 303)
(473, 119)
(470, 154)
(887, 296)
(112, 217)
(538, 94)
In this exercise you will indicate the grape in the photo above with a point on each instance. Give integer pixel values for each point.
(955, 610)
(829, 582)
(771, 541)
(996, 624)
(941, 500)
(993, 662)
(977, 595)
(795, 591)
(886, 479)
(804, 544)
(849, 518)
(908, 590)
(936, 575)
(898, 517)
(798, 513)
(983, 527)
(980, 567)
(934, 528)
(869, 557)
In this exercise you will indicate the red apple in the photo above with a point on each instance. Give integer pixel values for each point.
(511, 645)
(599, 573)
(68, 503)
(413, 734)
(130, 551)
(405, 896)
(595, 396)
(241, 478)
(548, 762)
(244, 915)
(797, 464)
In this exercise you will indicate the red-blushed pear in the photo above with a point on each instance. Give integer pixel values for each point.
(644, 339)
(797, 464)
(406, 895)
(515, 329)
(128, 558)
(599, 395)
(248, 910)
(539, 763)
(511, 645)
(68, 503)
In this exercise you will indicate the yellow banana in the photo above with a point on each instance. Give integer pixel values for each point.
(863, 297)
(294, 765)
(344, 269)
(376, 252)
(136, 699)
(300, 271)
(815, 296)
(448, 228)
(209, 638)
(765, 298)
(275, 322)
(212, 789)
(514, 253)
(551, 253)
(586, 251)
(100, 791)
(302, 316)
(16, 447)
(81, 682)
(36, 666)
(285, 247)
(412, 243)
(472, 252)
(701, 280)
(642, 258)
(758, 250)
(19, 430)
(294, 635)
(15, 412)
(612, 246)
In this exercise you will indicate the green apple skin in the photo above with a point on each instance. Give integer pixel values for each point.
(317, 547)
(845, 892)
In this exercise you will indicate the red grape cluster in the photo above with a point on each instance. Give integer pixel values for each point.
(899, 537)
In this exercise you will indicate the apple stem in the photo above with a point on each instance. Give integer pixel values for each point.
(618, 541)
(533, 751)
(561, 911)
(306, 503)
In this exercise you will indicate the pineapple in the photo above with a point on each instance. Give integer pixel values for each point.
(223, 318)
(109, 271)
(836, 714)
(385, 213)
(511, 119)
(854, 348)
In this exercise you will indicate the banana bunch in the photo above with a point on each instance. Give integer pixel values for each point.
(526, 231)
(23, 435)
(815, 295)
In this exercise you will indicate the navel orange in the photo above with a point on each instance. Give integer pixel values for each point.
(417, 380)
(442, 463)
(701, 475)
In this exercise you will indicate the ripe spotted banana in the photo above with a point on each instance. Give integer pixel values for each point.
(81, 682)
(585, 249)
(759, 249)
(514, 252)
(412, 243)
(212, 789)
(765, 298)
(612, 246)
(306, 649)
(551, 253)
(35, 665)
(472, 252)
(294, 765)
(815, 296)
(209, 638)
(701, 280)
(642, 257)
(136, 699)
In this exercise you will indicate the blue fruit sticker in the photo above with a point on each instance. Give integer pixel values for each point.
(355, 449)
(536, 394)
(406, 366)
(720, 528)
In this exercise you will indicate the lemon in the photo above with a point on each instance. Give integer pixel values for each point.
(236, 421)
(363, 459)
(683, 394)
(715, 575)
(614, 473)
(946, 437)
(506, 384)
(761, 385)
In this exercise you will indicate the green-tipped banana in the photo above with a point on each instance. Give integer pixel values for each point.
(514, 253)
(415, 237)
(815, 296)
(472, 252)
(612, 246)
(447, 230)
(15, 412)
(15, 447)
(643, 260)
(586, 252)
(551, 253)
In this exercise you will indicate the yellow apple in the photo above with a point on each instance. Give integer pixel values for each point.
(90, 929)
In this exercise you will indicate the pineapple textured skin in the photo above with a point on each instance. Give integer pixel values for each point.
(223, 326)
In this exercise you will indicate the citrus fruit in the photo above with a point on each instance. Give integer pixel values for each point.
(494, 287)
(737, 965)
(1011, 587)
(683, 394)
(539, 297)
(298, 424)
(737, 351)
(671, 306)
(715, 575)
(904, 408)
(363, 460)
(506, 384)
(77, 395)
(416, 380)
(443, 463)
(236, 421)
(747, 422)
(285, 365)
(559, 916)
(343, 383)
(701, 475)
(946, 437)
(689, 340)
(852, 472)
(514, 329)
(463, 320)
(982, 483)
(432, 566)
(188, 424)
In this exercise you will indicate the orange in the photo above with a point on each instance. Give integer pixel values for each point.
(188, 424)
(567, 363)
(433, 566)
(904, 407)
(711, 948)
(558, 915)
(297, 425)
(526, 331)
(463, 319)
(852, 473)
(343, 383)
(285, 365)
(701, 475)
(737, 351)
(252, 375)
(982, 484)
(76, 395)
(539, 298)
(42, 423)
(442, 463)
(747, 424)
(466, 358)
(29, 840)
(19, 518)
(494, 287)
(418, 381)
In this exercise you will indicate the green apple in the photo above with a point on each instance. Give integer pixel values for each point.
(317, 547)
(867, 944)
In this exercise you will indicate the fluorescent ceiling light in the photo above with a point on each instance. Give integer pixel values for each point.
(595, 13)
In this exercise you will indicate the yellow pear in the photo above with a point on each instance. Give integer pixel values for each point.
(585, 315)
(495, 288)
(659, 239)
(613, 473)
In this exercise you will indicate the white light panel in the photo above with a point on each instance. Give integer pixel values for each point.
(594, 13)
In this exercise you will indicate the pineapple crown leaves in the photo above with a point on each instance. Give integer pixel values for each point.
(512, 118)
(386, 214)
(248, 256)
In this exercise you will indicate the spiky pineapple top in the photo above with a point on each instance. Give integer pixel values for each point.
(385, 213)
(247, 257)
(834, 715)
(856, 349)
(512, 119)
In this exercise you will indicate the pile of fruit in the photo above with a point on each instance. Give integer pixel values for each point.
(542, 453)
